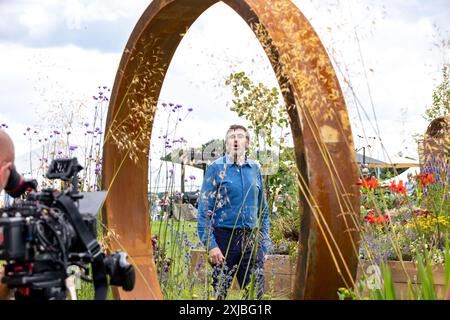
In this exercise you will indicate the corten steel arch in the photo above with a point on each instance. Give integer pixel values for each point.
(322, 136)
(435, 148)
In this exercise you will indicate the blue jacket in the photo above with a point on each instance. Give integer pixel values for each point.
(232, 196)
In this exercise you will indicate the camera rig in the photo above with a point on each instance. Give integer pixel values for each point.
(45, 234)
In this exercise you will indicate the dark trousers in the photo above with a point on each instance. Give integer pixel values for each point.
(242, 258)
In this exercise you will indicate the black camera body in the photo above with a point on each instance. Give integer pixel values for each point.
(45, 234)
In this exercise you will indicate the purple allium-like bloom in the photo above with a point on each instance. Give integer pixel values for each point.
(56, 132)
(72, 148)
(94, 97)
(190, 110)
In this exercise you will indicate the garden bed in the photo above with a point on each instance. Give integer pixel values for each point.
(279, 273)
(404, 272)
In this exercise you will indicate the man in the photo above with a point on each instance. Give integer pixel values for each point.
(6, 164)
(233, 219)
(410, 185)
(365, 174)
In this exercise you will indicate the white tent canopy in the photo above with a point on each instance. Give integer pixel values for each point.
(403, 176)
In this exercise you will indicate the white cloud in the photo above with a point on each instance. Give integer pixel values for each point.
(37, 20)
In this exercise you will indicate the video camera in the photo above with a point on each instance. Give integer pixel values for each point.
(45, 234)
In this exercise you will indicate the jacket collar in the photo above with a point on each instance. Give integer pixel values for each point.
(230, 161)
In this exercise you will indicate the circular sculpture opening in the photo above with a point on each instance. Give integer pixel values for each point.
(320, 126)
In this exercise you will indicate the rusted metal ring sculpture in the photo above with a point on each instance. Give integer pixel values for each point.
(435, 147)
(318, 117)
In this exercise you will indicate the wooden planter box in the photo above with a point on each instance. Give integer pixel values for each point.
(279, 273)
(401, 275)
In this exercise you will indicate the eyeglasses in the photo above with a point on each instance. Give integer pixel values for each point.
(239, 136)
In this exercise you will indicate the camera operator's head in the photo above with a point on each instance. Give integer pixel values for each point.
(6, 158)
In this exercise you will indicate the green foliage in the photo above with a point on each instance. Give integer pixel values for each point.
(441, 98)
(283, 184)
(389, 288)
(259, 105)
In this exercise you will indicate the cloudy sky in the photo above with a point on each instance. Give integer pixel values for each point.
(58, 52)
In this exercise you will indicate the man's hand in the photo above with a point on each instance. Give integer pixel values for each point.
(4, 291)
(216, 256)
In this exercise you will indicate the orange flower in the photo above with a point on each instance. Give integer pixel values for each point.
(371, 218)
(371, 184)
(424, 179)
(400, 188)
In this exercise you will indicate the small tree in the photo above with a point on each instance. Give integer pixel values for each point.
(259, 105)
(440, 106)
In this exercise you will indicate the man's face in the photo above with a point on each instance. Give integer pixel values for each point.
(237, 142)
(5, 170)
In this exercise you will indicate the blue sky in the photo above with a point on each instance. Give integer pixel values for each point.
(58, 52)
